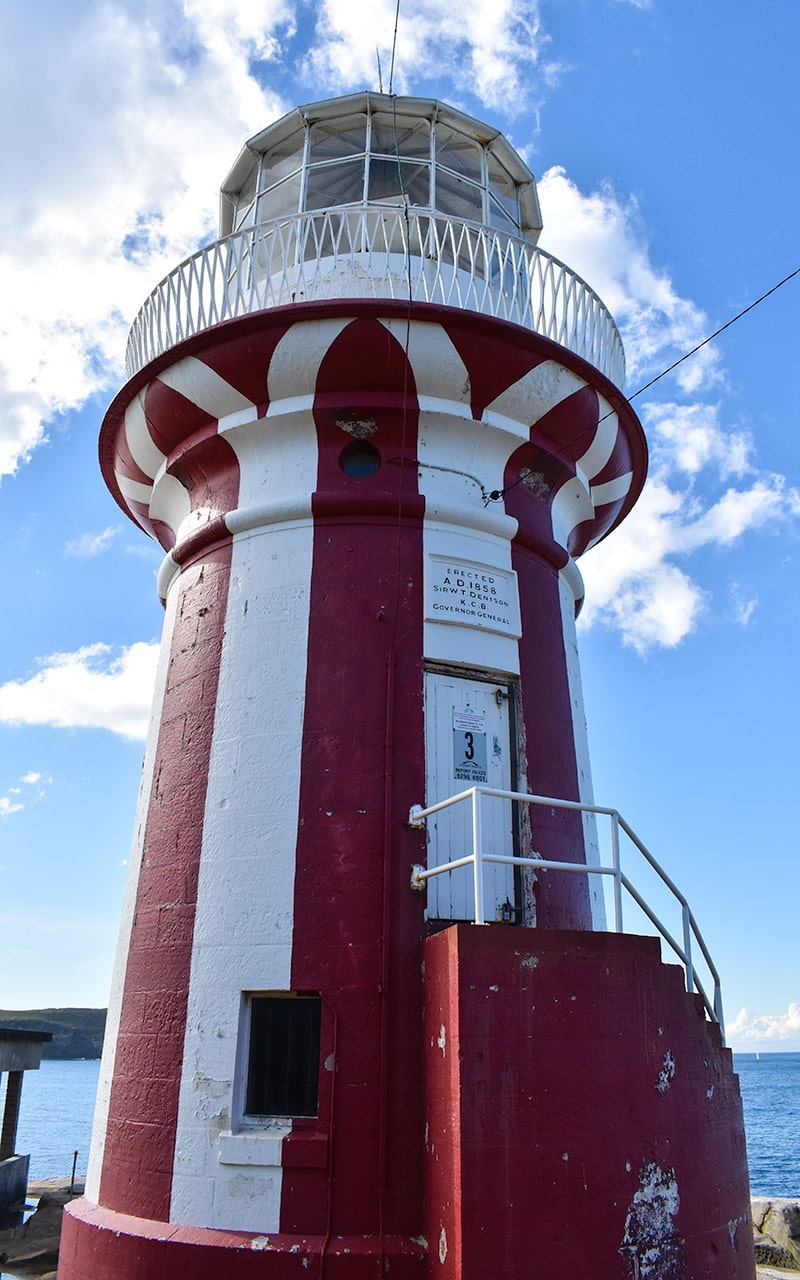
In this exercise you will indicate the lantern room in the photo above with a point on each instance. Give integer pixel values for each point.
(373, 149)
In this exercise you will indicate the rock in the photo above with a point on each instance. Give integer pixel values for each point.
(776, 1225)
(32, 1249)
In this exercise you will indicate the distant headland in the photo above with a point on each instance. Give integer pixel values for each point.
(77, 1033)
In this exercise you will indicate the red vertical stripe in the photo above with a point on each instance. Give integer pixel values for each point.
(358, 928)
(140, 1137)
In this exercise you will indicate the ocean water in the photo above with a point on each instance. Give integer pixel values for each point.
(770, 1085)
(55, 1116)
(58, 1102)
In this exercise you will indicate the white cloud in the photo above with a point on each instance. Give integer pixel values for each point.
(88, 545)
(640, 580)
(744, 603)
(16, 798)
(601, 237)
(86, 689)
(765, 1029)
(632, 580)
(689, 437)
(114, 144)
(493, 45)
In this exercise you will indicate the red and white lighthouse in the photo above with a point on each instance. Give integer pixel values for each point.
(373, 426)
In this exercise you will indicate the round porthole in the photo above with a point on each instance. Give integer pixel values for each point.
(359, 459)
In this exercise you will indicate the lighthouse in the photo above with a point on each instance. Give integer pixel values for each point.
(369, 1018)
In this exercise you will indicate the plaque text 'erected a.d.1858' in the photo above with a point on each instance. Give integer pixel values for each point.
(473, 595)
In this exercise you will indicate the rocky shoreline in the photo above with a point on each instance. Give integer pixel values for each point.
(776, 1228)
(32, 1249)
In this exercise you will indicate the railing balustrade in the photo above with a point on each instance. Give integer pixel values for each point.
(377, 251)
(478, 857)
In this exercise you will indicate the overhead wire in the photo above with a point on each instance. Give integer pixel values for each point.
(715, 334)
(497, 494)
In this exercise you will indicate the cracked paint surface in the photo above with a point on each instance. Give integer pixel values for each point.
(667, 1073)
(652, 1247)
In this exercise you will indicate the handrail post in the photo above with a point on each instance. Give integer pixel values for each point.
(687, 945)
(617, 872)
(477, 855)
(718, 1008)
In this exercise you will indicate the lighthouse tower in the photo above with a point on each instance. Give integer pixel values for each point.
(357, 1031)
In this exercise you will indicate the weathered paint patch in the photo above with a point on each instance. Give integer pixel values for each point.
(652, 1247)
(733, 1228)
(666, 1074)
(442, 1040)
(442, 1246)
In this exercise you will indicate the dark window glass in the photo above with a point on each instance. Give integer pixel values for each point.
(283, 1063)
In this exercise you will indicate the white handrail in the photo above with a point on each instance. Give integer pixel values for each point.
(377, 251)
(477, 858)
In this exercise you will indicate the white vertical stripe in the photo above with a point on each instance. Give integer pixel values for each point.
(245, 907)
(457, 524)
(438, 369)
(295, 361)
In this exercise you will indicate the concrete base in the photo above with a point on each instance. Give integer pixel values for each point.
(13, 1182)
(583, 1117)
(582, 1120)
(97, 1244)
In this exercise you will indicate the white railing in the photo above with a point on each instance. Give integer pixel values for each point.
(691, 935)
(377, 251)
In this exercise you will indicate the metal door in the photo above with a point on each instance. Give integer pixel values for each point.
(468, 741)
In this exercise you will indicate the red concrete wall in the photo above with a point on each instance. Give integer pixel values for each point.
(98, 1244)
(140, 1136)
(583, 1117)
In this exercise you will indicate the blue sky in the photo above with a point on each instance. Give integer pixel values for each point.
(663, 137)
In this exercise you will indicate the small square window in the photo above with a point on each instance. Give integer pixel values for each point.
(283, 1056)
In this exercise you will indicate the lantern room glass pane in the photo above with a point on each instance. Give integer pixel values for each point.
(458, 198)
(331, 184)
(459, 152)
(503, 187)
(281, 160)
(498, 217)
(243, 212)
(385, 177)
(280, 200)
(335, 139)
(412, 138)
